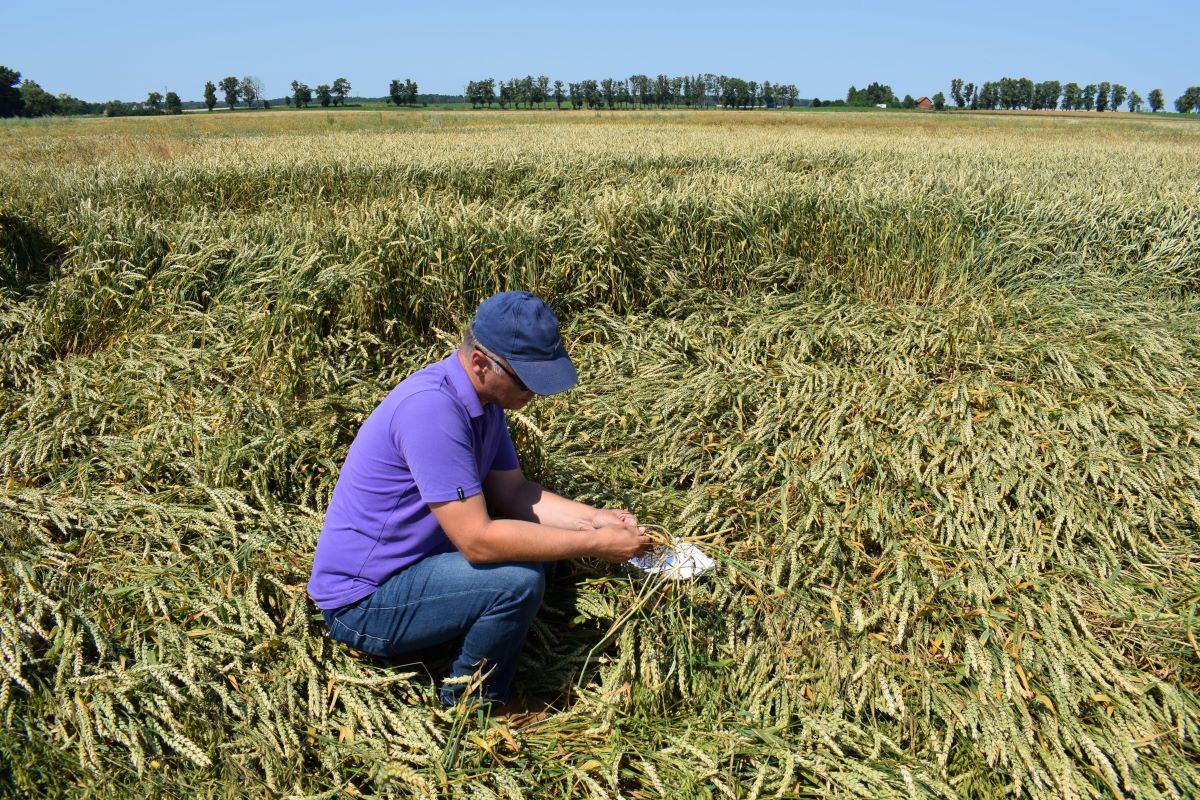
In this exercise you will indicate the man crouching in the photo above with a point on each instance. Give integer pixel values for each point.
(433, 533)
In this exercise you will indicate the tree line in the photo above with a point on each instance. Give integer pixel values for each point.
(26, 98)
(1021, 93)
(879, 94)
(662, 91)
(249, 90)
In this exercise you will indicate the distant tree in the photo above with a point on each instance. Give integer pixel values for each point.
(1089, 96)
(266, 103)
(558, 94)
(745, 93)
(1006, 93)
(1135, 102)
(1025, 90)
(1189, 101)
(591, 93)
(210, 95)
(1051, 91)
(608, 87)
(251, 89)
(1015, 93)
(404, 93)
(36, 101)
(324, 95)
(624, 98)
(301, 94)
(716, 88)
(531, 91)
(11, 102)
(1072, 96)
(700, 84)
(287, 100)
(174, 104)
(1102, 92)
(735, 93)
(875, 94)
(956, 92)
(639, 89)
(341, 88)
(939, 101)
(908, 101)
(1117, 97)
(988, 96)
(1156, 100)
(232, 88)
(69, 105)
(154, 100)
(969, 95)
(115, 108)
(816, 102)
(663, 91)
(543, 89)
(1046, 94)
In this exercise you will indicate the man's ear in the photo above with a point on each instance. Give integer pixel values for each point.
(478, 363)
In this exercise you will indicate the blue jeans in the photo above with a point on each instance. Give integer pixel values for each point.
(443, 598)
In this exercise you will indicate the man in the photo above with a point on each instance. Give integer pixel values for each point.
(433, 533)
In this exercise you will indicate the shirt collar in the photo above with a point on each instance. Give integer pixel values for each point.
(462, 386)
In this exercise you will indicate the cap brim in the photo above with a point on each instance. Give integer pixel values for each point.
(546, 377)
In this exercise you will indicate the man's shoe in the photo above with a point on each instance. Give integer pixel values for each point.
(521, 714)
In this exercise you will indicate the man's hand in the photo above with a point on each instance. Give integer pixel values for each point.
(614, 516)
(619, 543)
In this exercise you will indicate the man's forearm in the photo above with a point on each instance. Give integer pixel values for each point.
(488, 537)
(517, 540)
(535, 503)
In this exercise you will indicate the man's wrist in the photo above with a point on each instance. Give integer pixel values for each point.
(590, 520)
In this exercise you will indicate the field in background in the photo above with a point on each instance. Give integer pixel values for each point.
(928, 388)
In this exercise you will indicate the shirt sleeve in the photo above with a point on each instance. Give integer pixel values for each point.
(435, 440)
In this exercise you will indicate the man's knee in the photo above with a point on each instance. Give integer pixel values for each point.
(525, 582)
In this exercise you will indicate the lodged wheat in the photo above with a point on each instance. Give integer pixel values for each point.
(927, 389)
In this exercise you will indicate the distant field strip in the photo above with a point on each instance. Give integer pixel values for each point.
(927, 387)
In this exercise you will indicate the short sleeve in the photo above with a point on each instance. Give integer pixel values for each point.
(434, 437)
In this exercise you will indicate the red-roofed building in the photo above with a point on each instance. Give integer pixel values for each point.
(924, 102)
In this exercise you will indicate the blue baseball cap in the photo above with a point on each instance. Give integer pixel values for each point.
(520, 327)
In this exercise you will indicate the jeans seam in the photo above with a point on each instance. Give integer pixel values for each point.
(505, 592)
(357, 632)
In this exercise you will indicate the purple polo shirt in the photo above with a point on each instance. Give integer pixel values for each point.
(430, 440)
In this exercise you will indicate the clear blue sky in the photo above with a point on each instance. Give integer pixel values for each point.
(101, 51)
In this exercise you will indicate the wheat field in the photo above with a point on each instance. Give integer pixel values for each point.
(926, 387)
